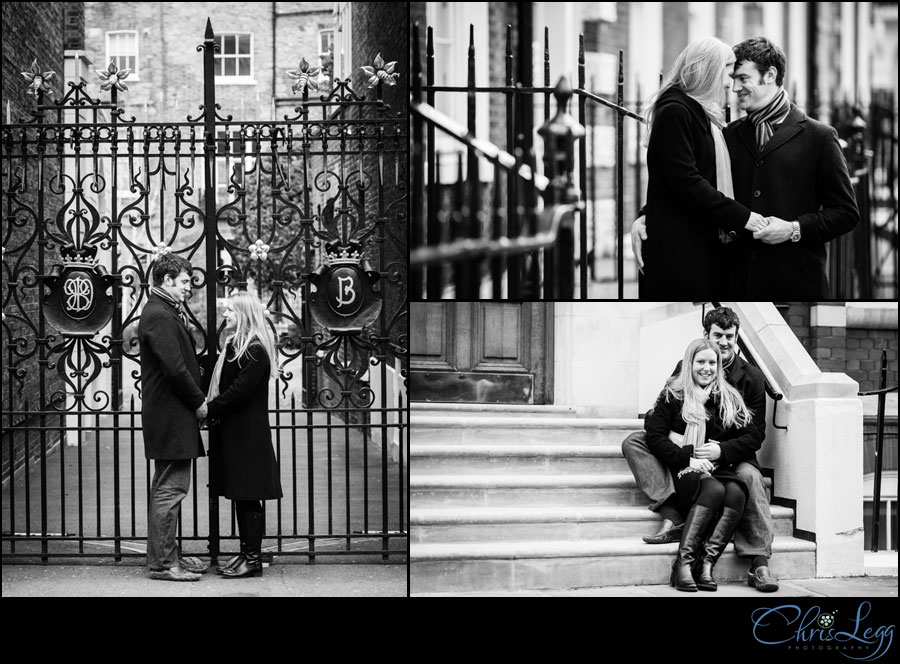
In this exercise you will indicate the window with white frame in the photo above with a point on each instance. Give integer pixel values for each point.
(235, 56)
(450, 23)
(122, 48)
(887, 529)
(326, 43)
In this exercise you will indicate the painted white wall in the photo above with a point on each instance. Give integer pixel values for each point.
(597, 357)
(818, 461)
(666, 330)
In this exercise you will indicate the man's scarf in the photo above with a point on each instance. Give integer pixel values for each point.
(773, 113)
(179, 306)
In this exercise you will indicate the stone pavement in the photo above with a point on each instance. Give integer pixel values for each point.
(863, 586)
(343, 579)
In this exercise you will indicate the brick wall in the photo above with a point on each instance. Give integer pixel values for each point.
(74, 33)
(30, 31)
(854, 351)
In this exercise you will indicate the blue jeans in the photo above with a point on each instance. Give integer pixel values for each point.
(755, 530)
(170, 485)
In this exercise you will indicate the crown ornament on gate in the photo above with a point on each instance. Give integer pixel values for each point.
(84, 257)
(345, 300)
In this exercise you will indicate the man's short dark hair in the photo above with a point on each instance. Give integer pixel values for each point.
(764, 54)
(723, 317)
(169, 265)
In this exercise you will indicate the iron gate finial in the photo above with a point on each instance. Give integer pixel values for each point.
(37, 80)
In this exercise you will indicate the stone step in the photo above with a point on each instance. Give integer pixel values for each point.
(513, 566)
(488, 459)
(461, 430)
(422, 408)
(511, 490)
(486, 524)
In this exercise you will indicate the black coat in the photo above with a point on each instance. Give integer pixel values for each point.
(801, 175)
(170, 384)
(684, 209)
(750, 382)
(241, 414)
(666, 417)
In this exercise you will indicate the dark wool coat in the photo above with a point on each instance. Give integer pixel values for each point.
(801, 175)
(737, 444)
(684, 209)
(241, 414)
(170, 384)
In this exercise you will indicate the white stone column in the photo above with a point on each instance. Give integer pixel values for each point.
(818, 460)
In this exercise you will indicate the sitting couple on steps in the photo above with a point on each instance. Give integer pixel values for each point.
(697, 456)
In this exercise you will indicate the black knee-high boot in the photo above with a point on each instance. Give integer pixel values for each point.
(695, 527)
(234, 561)
(715, 545)
(251, 565)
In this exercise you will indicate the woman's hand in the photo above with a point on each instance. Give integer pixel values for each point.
(704, 465)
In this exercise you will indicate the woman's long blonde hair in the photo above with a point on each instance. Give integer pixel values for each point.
(732, 409)
(698, 71)
(250, 326)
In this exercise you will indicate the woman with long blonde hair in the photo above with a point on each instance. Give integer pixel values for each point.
(690, 211)
(238, 402)
(697, 407)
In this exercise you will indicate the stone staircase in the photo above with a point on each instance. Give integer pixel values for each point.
(514, 498)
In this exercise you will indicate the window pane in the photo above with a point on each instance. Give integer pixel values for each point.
(244, 67)
(229, 66)
(218, 40)
(244, 44)
(130, 62)
(229, 45)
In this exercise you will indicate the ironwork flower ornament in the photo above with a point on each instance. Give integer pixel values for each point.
(37, 80)
(161, 250)
(306, 77)
(113, 77)
(381, 72)
(259, 251)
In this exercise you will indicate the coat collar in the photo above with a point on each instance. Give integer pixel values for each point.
(737, 369)
(677, 96)
(793, 124)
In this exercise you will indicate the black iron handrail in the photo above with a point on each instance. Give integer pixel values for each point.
(882, 392)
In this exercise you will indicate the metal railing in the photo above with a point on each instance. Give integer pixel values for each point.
(527, 250)
(882, 392)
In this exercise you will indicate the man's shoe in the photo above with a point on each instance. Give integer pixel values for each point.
(194, 565)
(763, 580)
(669, 532)
(174, 574)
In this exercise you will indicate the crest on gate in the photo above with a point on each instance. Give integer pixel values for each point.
(345, 299)
(78, 304)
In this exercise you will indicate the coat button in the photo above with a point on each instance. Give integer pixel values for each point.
(731, 233)
(757, 193)
(760, 163)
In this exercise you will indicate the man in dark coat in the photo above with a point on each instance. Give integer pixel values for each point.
(172, 402)
(789, 168)
(756, 531)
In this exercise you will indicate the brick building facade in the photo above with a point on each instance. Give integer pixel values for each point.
(31, 31)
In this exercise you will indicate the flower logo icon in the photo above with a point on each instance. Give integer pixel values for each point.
(826, 620)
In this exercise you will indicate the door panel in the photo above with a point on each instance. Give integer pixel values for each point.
(483, 352)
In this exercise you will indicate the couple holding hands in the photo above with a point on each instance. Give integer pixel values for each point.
(174, 405)
(740, 211)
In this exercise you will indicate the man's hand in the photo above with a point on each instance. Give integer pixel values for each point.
(776, 232)
(638, 235)
(756, 222)
(710, 450)
(202, 411)
(702, 464)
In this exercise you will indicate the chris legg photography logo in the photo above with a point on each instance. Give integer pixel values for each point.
(821, 630)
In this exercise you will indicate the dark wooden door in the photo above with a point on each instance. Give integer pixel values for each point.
(481, 352)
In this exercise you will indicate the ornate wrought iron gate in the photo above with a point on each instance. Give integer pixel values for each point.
(310, 212)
